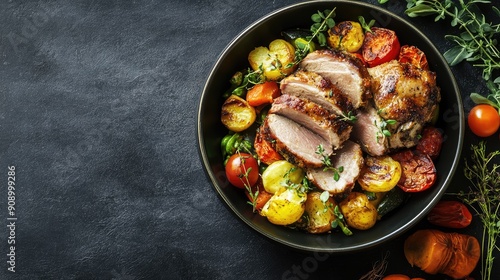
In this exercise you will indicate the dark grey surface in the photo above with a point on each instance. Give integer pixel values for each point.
(98, 105)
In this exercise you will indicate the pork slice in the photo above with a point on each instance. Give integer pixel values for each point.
(350, 157)
(294, 142)
(405, 135)
(366, 131)
(312, 86)
(342, 70)
(314, 117)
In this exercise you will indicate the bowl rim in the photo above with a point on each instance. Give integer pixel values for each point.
(408, 225)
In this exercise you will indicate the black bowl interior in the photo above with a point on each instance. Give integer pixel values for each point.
(234, 57)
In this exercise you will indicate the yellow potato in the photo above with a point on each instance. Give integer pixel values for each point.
(320, 214)
(237, 115)
(379, 174)
(358, 212)
(285, 207)
(346, 35)
(275, 60)
(279, 173)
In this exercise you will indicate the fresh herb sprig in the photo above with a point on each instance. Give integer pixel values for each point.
(382, 128)
(483, 172)
(493, 98)
(322, 21)
(476, 42)
(339, 217)
(328, 163)
(244, 178)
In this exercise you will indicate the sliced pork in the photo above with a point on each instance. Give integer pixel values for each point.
(294, 142)
(312, 86)
(367, 131)
(342, 70)
(314, 117)
(350, 157)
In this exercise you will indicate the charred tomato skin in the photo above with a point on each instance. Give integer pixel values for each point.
(418, 171)
(431, 142)
(381, 45)
(242, 170)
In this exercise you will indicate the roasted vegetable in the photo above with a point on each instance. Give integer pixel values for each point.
(233, 142)
(347, 36)
(430, 143)
(379, 174)
(320, 214)
(413, 55)
(380, 45)
(450, 214)
(453, 254)
(265, 151)
(237, 115)
(273, 61)
(242, 170)
(285, 207)
(418, 171)
(259, 197)
(391, 200)
(281, 173)
(358, 212)
(263, 93)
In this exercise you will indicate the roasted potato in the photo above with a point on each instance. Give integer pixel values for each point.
(285, 207)
(379, 174)
(358, 212)
(275, 60)
(347, 36)
(320, 214)
(280, 173)
(237, 115)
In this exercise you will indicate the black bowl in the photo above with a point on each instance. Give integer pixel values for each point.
(263, 31)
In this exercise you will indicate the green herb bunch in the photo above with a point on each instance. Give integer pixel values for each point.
(476, 42)
(483, 172)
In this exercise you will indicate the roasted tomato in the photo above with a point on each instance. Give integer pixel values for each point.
(266, 153)
(262, 196)
(483, 120)
(346, 35)
(380, 45)
(242, 170)
(396, 277)
(379, 174)
(450, 214)
(413, 55)
(430, 143)
(418, 171)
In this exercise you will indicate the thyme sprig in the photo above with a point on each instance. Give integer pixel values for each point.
(382, 128)
(327, 162)
(244, 178)
(483, 172)
(339, 217)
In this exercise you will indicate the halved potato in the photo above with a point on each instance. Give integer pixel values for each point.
(278, 173)
(358, 212)
(275, 60)
(320, 213)
(346, 35)
(285, 207)
(379, 174)
(237, 115)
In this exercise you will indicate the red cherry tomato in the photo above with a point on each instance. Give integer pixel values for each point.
(242, 170)
(450, 214)
(413, 55)
(265, 151)
(430, 143)
(380, 46)
(418, 171)
(483, 120)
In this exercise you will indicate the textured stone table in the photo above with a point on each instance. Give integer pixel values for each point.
(98, 112)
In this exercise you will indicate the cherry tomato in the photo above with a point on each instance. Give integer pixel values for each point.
(483, 120)
(450, 214)
(242, 169)
(396, 277)
(262, 196)
(418, 169)
(380, 46)
(430, 143)
(413, 55)
(266, 153)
